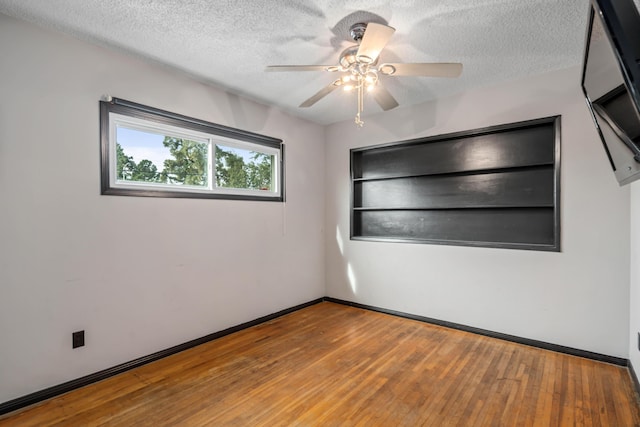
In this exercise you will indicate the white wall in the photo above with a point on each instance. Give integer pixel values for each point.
(137, 274)
(576, 298)
(634, 292)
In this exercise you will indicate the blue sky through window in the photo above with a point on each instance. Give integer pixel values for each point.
(143, 145)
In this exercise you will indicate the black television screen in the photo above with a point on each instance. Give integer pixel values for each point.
(611, 82)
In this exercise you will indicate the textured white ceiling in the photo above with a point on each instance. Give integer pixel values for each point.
(229, 42)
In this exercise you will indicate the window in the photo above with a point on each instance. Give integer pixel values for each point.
(492, 187)
(150, 152)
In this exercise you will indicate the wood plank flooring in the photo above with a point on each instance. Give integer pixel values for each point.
(332, 365)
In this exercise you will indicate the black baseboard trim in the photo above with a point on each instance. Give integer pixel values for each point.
(634, 378)
(526, 341)
(39, 396)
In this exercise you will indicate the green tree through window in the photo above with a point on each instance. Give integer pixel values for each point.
(233, 172)
(128, 170)
(155, 153)
(189, 163)
(125, 164)
(230, 169)
(189, 166)
(145, 171)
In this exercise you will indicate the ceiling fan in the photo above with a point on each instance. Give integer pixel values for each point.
(359, 69)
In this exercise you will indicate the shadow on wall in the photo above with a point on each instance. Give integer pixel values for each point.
(415, 121)
(242, 113)
(406, 122)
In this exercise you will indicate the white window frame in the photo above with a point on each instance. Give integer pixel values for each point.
(275, 173)
(119, 113)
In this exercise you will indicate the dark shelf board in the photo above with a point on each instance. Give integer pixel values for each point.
(458, 173)
(452, 208)
(480, 244)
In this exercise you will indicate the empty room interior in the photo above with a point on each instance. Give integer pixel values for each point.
(320, 213)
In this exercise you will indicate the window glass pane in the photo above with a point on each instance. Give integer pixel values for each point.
(156, 153)
(242, 168)
(144, 156)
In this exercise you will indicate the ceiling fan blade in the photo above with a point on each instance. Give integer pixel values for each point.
(321, 94)
(434, 69)
(300, 68)
(384, 98)
(374, 40)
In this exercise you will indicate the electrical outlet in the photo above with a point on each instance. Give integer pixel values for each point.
(78, 339)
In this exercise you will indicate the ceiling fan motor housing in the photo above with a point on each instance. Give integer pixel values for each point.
(357, 31)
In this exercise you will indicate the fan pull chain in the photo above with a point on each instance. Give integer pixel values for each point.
(359, 122)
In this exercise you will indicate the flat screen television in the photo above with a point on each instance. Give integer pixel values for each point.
(611, 82)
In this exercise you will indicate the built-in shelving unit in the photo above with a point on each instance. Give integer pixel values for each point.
(495, 187)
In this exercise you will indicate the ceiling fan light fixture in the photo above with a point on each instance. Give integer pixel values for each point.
(387, 69)
(348, 57)
(371, 78)
(366, 59)
(359, 70)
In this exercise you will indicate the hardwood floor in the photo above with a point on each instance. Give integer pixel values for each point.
(333, 365)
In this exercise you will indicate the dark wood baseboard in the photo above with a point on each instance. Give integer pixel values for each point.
(634, 377)
(526, 341)
(39, 396)
(331, 364)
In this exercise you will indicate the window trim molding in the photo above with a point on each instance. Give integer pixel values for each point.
(163, 117)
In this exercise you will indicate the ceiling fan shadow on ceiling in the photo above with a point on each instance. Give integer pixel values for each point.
(359, 69)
